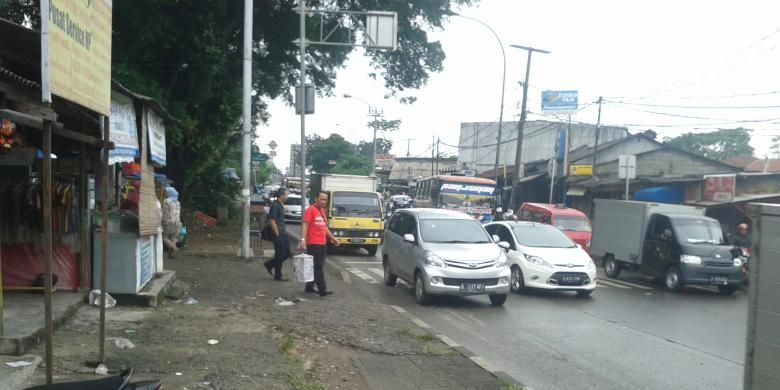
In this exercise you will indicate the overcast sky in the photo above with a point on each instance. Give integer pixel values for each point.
(656, 63)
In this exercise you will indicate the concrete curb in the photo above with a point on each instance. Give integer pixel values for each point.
(17, 378)
(152, 295)
(19, 345)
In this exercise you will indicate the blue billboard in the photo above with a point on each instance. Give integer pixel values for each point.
(559, 100)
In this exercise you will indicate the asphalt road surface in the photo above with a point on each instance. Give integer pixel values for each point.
(630, 334)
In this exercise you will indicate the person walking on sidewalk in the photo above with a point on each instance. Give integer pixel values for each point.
(314, 238)
(279, 235)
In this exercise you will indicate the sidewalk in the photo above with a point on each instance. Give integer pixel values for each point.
(265, 334)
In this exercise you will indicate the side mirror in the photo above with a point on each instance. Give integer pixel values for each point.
(504, 245)
(579, 246)
(495, 238)
(409, 238)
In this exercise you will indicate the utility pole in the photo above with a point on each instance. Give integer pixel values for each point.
(408, 145)
(433, 152)
(376, 113)
(519, 169)
(302, 94)
(437, 154)
(596, 144)
(246, 148)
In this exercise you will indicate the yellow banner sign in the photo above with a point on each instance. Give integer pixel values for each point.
(580, 170)
(80, 52)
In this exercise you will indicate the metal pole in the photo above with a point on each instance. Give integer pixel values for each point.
(627, 179)
(104, 131)
(552, 177)
(246, 147)
(433, 152)
(373, 154)
(47, 250)
(519, 169)
(304, 199)
(596, 143)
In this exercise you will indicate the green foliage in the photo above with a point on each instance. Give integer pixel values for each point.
(717, 145)
(352, 165)
(381, 124)
(322, 154)
(366, 148)
(187, 55)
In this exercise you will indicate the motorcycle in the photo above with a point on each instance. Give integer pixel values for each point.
(744, 255)
(117, 382)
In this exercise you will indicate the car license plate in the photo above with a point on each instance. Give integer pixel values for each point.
(719, 280)
(571, 279)
(472, 286)
(358, 240)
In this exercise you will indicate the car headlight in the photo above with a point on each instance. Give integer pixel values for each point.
(590, 264)
(502, 259)
(538, 261)
(433, 260)
(737, 262)
(688, 259)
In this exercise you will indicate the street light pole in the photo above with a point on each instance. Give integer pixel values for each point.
(302, 94)
(503, 85)
(521, 127)
(246, 147)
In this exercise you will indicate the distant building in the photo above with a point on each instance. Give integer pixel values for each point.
(477, 144)
(407, 170)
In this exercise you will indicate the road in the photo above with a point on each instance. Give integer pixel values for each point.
(630, 334)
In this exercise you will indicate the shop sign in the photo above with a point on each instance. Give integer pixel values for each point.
(145, 259)
(720, 188)
(580, 170)
(156, 128)
(123, 131)
(7, 135)
(79, 60)
(466, 189)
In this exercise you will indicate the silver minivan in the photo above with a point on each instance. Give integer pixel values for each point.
(444, 252)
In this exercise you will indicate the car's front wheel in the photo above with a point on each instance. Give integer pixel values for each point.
(372, 249)
(420, 295)
(673, 279)
(518, 281)
(390, 279)
(497, 299)
(611, 267)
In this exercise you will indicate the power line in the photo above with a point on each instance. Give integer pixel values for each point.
(692, 117)
(535, 132)
(695, 107)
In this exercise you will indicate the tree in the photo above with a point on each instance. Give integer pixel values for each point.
(187, 55)
(322, 154)
(366, 148)
(716, 145)
(352, 165)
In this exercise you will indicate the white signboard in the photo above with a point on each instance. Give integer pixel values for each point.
(627, 167)
(156, 128)
(123, 133)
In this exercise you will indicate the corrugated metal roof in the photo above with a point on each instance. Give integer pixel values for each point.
(11, 76)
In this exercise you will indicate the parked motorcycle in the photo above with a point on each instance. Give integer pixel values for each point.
(744, 255)
(117, 382)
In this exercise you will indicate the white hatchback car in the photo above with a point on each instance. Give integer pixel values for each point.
(292, 209)
(541, 256)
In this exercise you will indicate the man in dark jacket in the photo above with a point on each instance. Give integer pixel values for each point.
(279, 236)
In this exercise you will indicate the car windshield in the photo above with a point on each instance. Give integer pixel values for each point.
(572, 223)
(293, 201)
(453, 231)
(356, 204)
(699, 231)
(542, 236)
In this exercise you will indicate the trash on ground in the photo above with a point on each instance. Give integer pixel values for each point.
(191, 301)
(101, 369)
(20, 363)
(178, 374)
(283, 302)
(123, 343)
(213, 342)
(94, 299)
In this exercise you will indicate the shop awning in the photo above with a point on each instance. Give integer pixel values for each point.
(532, 177)
(576, 191)
(738, 199)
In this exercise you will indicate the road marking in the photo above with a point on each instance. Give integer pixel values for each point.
(360, 262)
(398, 309)
(448, 341)
(381, 274)
(610, 284)
(623, 282)
(420, 323)
(362, 275)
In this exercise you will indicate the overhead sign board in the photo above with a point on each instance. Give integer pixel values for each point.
(124, 131)
(559, 100)
(259, 157)
(627, 167)
(580, 170)
(79, 57)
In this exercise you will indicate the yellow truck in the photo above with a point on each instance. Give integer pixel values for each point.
(354, 209)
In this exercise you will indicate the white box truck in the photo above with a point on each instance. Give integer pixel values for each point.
(673, 243)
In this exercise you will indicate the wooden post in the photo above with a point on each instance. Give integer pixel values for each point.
(104, 131)
(1, 282)
(47, 250)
